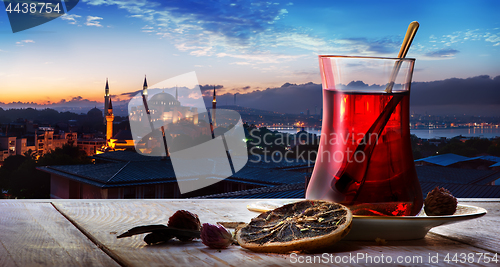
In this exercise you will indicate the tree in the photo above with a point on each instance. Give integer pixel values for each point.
(471, 147)
(459, 148)
(28, 182)
(30, 154)
(494, 148)
(67, 155)
(10, 165)
(20, 176)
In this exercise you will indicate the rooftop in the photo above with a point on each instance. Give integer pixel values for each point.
(298, 191)
(258, 161)
(465, 191)
(444, 160)
(282, 191)
(455, 175)
(123, 156)
(125, 168)
(450, 159)
(107, 175)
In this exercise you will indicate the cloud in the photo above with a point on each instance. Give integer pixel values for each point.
(243, 89)
(241, 63)
(131, 94)
(493, 38)
(204, 28)
(93, 21)
(21, 43)
(301, 40)
(71, 18)
(207, 88)
(260, 58)
(247, 30)
(442, 53)
(148, 29)
(458, 37)
(450, 39)
(194, 95)
(76, 102)
(252, 32)
(472, 35)
(363, 46)
(235, 21)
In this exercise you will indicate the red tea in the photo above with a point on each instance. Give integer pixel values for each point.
(371, 171)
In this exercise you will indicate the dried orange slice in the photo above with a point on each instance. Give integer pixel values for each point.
(305, 225)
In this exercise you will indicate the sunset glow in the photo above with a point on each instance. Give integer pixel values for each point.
(242, 46)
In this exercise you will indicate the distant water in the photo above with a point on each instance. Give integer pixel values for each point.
(429, 133)
(452, 132)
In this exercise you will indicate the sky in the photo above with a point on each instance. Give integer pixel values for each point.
(249, 48)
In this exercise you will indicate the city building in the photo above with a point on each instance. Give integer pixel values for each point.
(46, 140)
(91, 146)
(7, 147)
(126, 174)
(37, 144)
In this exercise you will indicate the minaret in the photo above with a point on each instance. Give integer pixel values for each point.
(145, 102)
(145, 87)
(106, 99)
(109, 122)
(176, 94)
(214, 106)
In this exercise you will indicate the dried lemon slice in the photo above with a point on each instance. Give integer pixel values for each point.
(304, 225)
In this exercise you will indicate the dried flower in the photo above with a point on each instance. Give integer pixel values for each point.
(183, 219)
(157, 237)
(215, 236)
(440, 201)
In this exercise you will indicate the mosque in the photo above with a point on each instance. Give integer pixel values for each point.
(162, 106)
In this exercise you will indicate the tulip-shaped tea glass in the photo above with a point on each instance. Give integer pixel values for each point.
(365, 159)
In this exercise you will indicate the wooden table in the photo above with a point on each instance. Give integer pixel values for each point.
(83, 233)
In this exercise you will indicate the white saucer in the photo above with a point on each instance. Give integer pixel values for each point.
(389, 227)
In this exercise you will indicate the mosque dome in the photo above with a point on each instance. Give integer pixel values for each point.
(163, 99)
(95, 112)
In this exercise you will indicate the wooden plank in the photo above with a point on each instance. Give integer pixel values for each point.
(104, 220)
(483, 232)
(35, 234)
(5, 258)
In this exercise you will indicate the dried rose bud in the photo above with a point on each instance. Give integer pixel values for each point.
(183, 219)
(157, 237)
(440, 201)
(215, 236)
